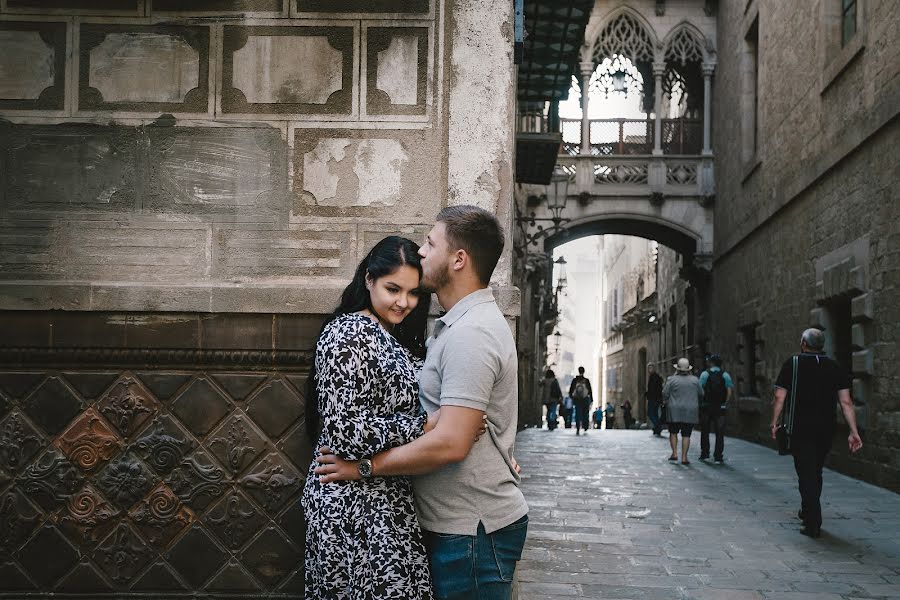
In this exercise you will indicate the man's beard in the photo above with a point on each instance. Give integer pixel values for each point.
(439, 280)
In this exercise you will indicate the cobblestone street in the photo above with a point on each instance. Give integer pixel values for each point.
(611, 518)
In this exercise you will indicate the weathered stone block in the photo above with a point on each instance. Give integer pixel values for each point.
(817, 318)
(862, 307)
(304, 250)
(396, 70)
(218, 6)
(75, 6)
(863, 362)
(55, 170)
(32, 65)
(364, 6)
(144, 68)
(386, 176)
(219, 174)
(288, 70)
(858, 336)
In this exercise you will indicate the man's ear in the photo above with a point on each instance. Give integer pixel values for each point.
(460, 260)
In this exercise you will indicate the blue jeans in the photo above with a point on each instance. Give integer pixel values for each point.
(479, 567)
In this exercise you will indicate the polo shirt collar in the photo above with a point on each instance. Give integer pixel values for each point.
(465, 303)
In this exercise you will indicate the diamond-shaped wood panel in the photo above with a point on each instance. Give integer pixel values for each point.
(236, 443)
(201, 406)
(87, 517)
(127, 406)
(161, 516)
(89, 443)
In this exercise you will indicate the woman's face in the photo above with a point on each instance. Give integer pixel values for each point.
(393, 296)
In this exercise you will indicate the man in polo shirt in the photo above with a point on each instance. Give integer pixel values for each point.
(467, 492)
(820, 385)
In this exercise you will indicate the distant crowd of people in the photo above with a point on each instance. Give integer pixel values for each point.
(809, 387)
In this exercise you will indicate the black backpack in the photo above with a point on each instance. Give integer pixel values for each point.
(715, 392)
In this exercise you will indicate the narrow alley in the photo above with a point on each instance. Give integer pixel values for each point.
(612, 518)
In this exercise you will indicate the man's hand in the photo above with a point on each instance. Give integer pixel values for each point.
(854, 442)
(333, 468)
(516, 466)
(774, 429)
(432, 420)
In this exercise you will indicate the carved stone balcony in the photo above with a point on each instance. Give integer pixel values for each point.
(652, 177)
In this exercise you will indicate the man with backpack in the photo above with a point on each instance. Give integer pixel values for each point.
(582, 396)
(717, 391)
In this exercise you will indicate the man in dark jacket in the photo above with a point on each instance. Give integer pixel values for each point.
(820, 384)
(654, 398)
(582, 395)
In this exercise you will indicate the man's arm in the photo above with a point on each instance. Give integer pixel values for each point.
(449, 442)
(854, 442)
(777, 407)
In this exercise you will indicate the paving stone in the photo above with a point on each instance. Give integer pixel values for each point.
(644, 528)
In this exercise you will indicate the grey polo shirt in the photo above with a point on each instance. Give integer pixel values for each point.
(472, 362)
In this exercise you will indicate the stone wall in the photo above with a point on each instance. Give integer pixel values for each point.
(185, 188)
(806, 226)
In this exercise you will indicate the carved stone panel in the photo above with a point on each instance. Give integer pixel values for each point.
(18, 518)
(139, 495)
(46, 167)
(19, 442)
(364, 6)
(32, 63)
(122, 555)
(225, 174)
(218, 6)
(236, 443)
(50, 480)
(163, 445)
(76, 6)
(87, 517)
(288, 70)
(89, 443)
(396, 70)
(144, 68)
(127, 406)
(303, 250)
(272, 482)
(369, 174)
(161, 516)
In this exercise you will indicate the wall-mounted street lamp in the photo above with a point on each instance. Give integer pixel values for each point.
(556, 196)
(561, 281)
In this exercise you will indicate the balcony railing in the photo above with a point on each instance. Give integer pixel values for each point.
(624, 137)
(612, 175)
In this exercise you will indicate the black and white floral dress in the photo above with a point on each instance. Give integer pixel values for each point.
(363, 540)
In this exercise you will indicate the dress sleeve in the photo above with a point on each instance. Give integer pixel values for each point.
(350, 395)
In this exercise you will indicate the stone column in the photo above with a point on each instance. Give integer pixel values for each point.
(587, 69)
(708, 69)
(658, 70)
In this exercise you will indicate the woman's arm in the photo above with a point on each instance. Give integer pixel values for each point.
(349, 397)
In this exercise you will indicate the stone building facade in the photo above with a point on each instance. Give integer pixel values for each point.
(807, 209)
(185, 187)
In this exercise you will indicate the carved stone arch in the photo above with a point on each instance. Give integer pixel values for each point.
(626, 32)
(685, 43)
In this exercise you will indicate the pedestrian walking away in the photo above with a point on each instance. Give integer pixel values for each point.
(654, 399)
(552, 394)
(466, 488)
(582, 397)
(681, 394)
(817, 385)
(718, 390)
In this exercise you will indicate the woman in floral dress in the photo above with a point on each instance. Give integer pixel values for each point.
(363, 540)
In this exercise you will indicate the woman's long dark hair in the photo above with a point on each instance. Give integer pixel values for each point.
(386, 257)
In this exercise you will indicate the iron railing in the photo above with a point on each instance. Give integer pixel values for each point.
(618, 137)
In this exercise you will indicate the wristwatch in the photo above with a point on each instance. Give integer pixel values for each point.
(364, 467)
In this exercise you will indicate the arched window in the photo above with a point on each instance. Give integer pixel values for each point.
(683, 92)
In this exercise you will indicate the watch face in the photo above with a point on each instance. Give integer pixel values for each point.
(365, 467)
